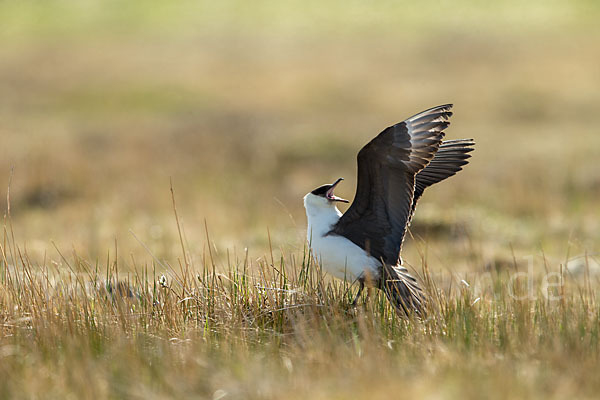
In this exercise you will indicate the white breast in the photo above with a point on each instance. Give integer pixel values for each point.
(337, 255)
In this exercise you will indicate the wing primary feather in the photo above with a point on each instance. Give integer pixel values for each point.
(450, 158)
(387, 166)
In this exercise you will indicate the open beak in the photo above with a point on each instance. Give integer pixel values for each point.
(331, 197)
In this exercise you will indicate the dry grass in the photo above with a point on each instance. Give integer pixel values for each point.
(275, 327)
(247, 108)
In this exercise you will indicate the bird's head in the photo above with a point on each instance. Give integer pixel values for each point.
(323, 196)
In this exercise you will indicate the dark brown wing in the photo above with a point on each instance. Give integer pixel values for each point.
(448, 160)
(387, 165)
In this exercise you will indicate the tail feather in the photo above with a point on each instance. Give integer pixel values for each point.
(403, 291)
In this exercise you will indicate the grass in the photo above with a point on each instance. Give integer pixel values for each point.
(276, 327)
(244, 110)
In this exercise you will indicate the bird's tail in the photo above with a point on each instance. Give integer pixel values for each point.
(403, 291)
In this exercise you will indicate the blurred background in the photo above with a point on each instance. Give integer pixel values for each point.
(247, 106)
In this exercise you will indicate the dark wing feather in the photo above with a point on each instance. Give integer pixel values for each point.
(387, 165)
(403, 291)
(449, 159)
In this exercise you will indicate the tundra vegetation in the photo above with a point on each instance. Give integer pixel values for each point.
(154, 156)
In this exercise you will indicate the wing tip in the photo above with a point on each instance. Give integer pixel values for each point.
(446, 106)
(434, 114)
(460, 143)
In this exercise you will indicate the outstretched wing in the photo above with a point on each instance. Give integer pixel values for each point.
(448, 160)
(387, 165)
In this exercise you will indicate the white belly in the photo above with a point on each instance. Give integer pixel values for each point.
(343, 259)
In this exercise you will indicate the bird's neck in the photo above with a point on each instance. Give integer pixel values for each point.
(321, 220)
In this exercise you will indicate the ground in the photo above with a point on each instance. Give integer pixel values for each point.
(242, 108)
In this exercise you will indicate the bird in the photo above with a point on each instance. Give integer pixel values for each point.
(394, 169)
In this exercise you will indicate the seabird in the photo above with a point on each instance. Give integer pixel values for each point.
(394, 169)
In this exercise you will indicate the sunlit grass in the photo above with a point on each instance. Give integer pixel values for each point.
(276, 327)
(242, 108)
